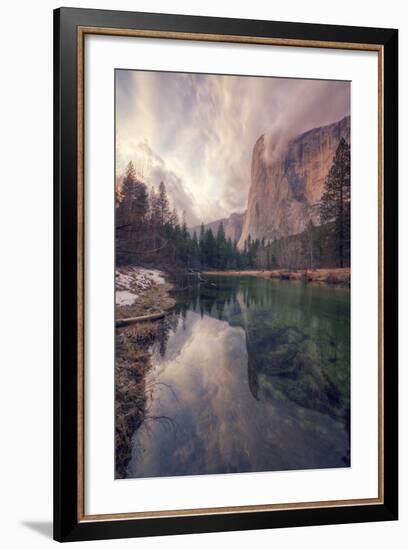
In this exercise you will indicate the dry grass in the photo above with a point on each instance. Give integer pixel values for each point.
(131, 365)
(337, 276)
(132, 362)
(152, 300)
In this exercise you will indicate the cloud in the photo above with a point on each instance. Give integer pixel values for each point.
(200, 129)
(308, 104)
(152, 169)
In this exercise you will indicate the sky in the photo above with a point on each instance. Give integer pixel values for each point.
(196, 132)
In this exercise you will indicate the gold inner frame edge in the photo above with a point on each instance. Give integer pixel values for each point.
(81, 33)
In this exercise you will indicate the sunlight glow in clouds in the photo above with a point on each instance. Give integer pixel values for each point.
(196, 132)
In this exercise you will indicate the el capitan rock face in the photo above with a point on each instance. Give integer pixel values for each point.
(284, 194)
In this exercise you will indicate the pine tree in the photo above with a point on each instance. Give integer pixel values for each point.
(220, 248)
(132, 214)
(173, 219)
(308, 246)
(209, 247)
(163, 205)
(221, 233)
(202, 245)
(184, 225)
(195, 250)
(202, 233)
(154, 216)
(229, 254)
(250, 251)
(140, 203)
(335, 202)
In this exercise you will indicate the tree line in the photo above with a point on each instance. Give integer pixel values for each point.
(149, 231)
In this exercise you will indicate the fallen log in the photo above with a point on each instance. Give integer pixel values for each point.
(141, 319)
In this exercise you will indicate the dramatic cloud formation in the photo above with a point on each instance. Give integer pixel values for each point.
(196, 132)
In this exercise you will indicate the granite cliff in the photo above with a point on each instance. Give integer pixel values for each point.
(284, 193)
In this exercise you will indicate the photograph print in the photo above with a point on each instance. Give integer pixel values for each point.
(232, 274)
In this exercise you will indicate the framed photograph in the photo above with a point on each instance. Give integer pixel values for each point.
(225, 274)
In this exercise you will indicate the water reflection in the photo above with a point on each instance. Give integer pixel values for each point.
(248, 375)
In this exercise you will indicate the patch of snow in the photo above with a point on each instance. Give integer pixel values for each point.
(131, 280)
(123, 280)
(125, 298)
(156, 276)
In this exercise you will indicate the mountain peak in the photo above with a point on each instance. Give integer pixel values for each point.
(232, 226)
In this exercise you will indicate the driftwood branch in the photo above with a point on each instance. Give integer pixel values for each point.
(123, 226)
(140, 319)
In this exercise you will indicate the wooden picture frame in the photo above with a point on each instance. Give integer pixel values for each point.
(70, 520)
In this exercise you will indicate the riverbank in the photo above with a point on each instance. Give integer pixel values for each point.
(139, 292)
(334, 276)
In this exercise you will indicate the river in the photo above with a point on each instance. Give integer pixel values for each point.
(248, 375)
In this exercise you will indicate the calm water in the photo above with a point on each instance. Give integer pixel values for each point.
(248, 375)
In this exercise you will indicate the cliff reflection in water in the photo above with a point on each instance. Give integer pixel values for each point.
(248, 375)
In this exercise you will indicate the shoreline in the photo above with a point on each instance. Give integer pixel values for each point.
(331, 276)
(149, 291)
(133, 341)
